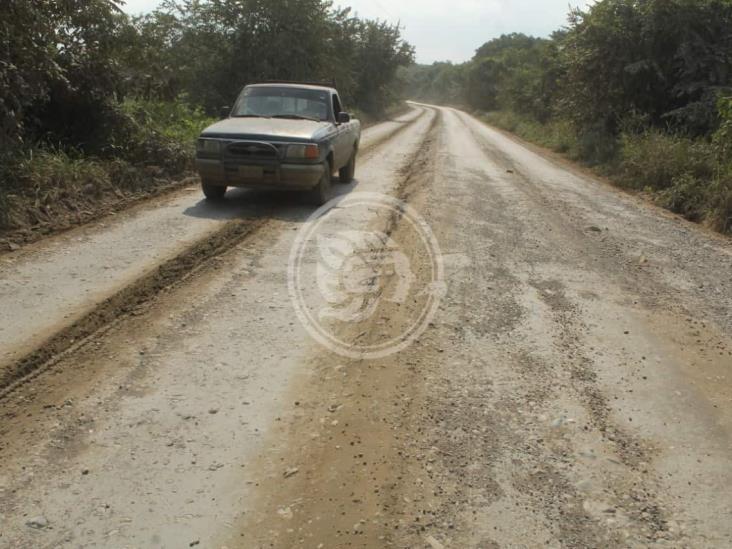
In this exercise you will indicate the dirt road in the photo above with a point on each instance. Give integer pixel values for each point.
(572, 386)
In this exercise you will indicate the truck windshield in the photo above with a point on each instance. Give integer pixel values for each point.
(282, 102)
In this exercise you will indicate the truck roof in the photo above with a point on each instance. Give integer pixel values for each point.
(307, 85)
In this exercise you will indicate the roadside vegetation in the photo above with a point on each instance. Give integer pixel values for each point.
(639, 90)
(98, 108)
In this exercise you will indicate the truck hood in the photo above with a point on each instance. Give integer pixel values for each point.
(269, 129)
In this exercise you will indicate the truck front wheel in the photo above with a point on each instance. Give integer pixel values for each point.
(321, 193)
(348, 172)
(213, 192)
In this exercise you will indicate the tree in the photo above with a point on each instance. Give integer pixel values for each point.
(27, 64)
(664, 59)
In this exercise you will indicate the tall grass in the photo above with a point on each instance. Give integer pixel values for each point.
(153, 143)
(653, 160)
(174, 120)
(557, 135)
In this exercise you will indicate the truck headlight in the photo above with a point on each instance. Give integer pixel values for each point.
(303, 152)
(209, 146)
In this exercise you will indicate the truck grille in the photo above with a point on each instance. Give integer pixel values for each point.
(243, 149)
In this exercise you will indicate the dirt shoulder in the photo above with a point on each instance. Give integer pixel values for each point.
(69, 206)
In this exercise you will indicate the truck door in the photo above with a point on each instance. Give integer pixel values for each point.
(342, 147)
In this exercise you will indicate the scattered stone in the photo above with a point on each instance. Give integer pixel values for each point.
(194, 543)
(558, 422)
(213, 411)
(38, 523)
(594, 229)
(291, 472)
(334, 408)
(13, 247)
(85, 472)
(285, 513)
(434, 543)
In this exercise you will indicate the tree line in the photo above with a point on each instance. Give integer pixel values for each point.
(67, 65)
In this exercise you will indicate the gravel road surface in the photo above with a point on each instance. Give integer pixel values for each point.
(572, 385)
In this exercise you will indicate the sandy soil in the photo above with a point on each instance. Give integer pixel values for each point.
(572, 389)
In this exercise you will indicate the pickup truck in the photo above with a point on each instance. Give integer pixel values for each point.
(280, 136)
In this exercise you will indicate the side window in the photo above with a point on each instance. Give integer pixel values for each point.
(336, 105)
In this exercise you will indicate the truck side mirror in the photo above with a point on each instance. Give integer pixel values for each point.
(225, 112)
(344, 117)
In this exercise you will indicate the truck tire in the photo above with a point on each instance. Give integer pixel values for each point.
(321, 193)
(348, 172)
(213, 192)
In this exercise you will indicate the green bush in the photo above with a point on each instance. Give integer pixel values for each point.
(654, 160)
(157, 133)
(723, 136)
(174, 120)
(719, 203)
(686, 196)
(596, 146)
(558, 135)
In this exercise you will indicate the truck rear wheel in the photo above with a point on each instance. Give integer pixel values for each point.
(213, 192)
(348, 172)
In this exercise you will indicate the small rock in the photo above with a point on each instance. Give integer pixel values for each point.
(12, 246)
(285, 513)
(85, 472)
(434, 543)
(39, 523)
(594, 229)
(213, 411)
(292, 471)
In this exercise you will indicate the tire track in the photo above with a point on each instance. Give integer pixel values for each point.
(360, 481)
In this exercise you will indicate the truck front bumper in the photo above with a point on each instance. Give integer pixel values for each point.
(280, 175)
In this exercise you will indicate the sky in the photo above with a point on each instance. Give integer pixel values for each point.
(450, 30)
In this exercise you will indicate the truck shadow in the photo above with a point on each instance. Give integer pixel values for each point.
(262, 204)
